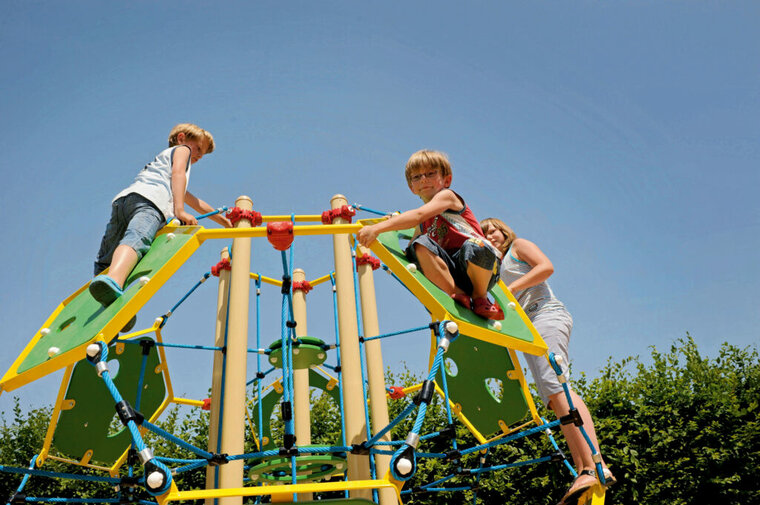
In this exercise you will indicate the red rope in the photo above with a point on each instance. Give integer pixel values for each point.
(222, 265)
(345, 211)
(235, 214)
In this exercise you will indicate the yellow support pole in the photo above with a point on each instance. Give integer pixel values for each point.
(353, 394)
(375, 370)
(233, 413)
(212, 472)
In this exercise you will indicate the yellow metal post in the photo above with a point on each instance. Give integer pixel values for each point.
(216, 374)
(375, 370)
(234, 404)
(353, 394)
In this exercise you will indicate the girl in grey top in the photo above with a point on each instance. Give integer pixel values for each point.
(524, 269)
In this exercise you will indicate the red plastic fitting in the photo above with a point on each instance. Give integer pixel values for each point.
(235, 214)
(280, 234)
(304, 286)
(345, 211)
(222, 265)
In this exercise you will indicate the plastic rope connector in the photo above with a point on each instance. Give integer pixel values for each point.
(304, 286)
(206, 404)
(224, 264)
(280, 234)
(126, 413)
(287, 411)
(453, 455)
(396, 392)
(367, 259)
(448, 433)
(289, 451)
(235, 214)
(360, 449)
(147, 345)
(425, 394)
(286, 283)
(289, 440)
(346, 212)
(17, 498)
(574, 417)
(218, 459)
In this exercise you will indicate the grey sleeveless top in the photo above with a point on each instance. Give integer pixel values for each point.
(534, 300)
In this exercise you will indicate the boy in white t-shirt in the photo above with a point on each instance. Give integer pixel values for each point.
(158, 193)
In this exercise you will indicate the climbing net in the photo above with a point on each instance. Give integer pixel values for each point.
(138, 473)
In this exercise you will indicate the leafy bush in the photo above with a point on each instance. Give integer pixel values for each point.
(680, 429)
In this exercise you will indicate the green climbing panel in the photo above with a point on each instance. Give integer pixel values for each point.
(478, 379)
(309, 468)
(307, 352)
(80, 319)
(514, 331)
(268, 402)
(89, 424)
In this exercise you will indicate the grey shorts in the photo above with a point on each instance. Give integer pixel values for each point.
(472, 251)
(135, 220)
(554, 327)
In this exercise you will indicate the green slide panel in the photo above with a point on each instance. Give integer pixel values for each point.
(477, 376)
(83, 318)
(87, 426)
(512, 325)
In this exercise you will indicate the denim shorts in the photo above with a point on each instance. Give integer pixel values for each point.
(135, 220)
(472, 251)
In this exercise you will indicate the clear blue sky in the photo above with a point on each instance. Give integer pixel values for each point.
(622, 137)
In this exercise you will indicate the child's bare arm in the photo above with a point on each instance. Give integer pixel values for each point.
(203, 208)
(179, 183)
(541, 267)
(442, 201)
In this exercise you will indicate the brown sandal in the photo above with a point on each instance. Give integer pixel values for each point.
(571, 498)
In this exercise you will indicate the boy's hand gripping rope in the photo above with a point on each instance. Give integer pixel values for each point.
(158, 477)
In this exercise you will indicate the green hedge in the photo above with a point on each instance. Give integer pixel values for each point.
(676, 427)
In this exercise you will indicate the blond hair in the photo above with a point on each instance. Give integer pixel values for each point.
(425, 159)
(509, 234)
(193, 132)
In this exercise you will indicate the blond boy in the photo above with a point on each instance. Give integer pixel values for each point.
(449, 246)
(158, 194)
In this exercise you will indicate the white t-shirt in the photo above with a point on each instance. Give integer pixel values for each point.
(154, 182)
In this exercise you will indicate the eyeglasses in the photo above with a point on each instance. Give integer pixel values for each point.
(426, 175)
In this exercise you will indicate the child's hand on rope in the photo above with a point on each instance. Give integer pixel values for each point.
(186, 218)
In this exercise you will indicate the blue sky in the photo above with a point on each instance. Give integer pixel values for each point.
(619, 136)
